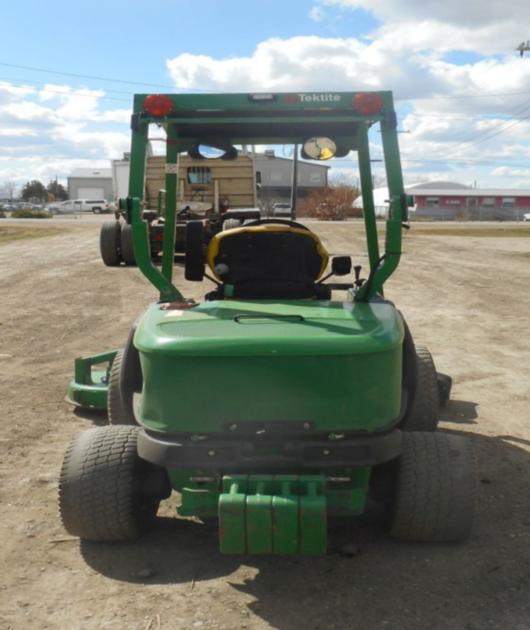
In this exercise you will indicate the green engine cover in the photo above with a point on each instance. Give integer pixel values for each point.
(336, 365)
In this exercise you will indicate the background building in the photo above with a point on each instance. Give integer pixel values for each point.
(89, 183)
(448, 201)
(271, 175)
(274, 177)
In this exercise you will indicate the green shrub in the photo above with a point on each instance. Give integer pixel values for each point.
(27, 213)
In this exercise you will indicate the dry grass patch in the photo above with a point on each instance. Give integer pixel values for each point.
(9, 233)
(484, 231)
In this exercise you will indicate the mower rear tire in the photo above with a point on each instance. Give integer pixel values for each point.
(127, 249)
(194, 249)
(435, 487)
(110, 243)
(119, 406)
(425, 410)
(106, 492)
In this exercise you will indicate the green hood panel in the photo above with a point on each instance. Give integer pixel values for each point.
(335, 365)
(300, 328)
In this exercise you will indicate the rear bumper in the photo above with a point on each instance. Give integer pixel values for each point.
(243, 454)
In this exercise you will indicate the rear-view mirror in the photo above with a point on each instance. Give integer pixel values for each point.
(341, 265)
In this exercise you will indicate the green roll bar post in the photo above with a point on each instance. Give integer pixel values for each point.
(161, 279)
(397, 213)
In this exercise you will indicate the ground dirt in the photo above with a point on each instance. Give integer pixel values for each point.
(467, 298)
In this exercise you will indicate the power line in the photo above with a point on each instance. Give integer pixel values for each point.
(172, 87)
(494, 131)
(34, 82)
(22, 83)
(85, 76)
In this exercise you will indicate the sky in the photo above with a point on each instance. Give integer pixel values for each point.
(68, 71)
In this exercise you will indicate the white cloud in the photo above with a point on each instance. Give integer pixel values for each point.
(48, 132)
(18, 132)
(27, 110)
(470, 13)
(473, 133)
(481, 26)
(9, 90)
(317, 14)
(506, 171)
(308, 62)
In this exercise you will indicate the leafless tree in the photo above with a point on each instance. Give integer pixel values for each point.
(10, 187)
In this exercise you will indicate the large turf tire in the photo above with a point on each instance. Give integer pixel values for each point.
(110, 243)
(106, 492)
(424, 412)
(435, 486)
(119, 403)
(194, 261)
(127, 249)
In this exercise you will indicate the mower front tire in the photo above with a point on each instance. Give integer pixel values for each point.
(119, 406)
(110, 243)
(425, 410)
(435, 486)
(106, 492)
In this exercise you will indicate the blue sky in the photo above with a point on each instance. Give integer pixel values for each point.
(132, 40)
(463, 94)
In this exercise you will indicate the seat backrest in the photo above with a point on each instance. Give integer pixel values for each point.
(267, 261)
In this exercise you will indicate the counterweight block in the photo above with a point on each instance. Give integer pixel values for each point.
(273, 514)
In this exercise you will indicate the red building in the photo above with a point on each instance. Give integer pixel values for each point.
(448, 200)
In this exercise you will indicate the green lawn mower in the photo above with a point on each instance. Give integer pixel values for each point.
(271, 405)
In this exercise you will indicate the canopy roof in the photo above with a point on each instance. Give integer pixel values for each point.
(272, 118)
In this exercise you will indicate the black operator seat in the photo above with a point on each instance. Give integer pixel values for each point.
(271, 261)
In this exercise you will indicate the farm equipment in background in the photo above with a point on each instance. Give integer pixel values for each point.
(272, 404)
(210, 190)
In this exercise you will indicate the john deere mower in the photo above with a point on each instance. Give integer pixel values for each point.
(294, 391)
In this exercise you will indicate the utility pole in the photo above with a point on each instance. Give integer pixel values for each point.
(523, 47)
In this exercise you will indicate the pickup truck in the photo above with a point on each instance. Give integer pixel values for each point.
(72, 206)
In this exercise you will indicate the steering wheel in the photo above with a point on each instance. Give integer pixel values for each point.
(279, 221)
(182, 214)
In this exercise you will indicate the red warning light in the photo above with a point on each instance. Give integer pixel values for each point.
(158, 105)
(368, 103)
(291, 98)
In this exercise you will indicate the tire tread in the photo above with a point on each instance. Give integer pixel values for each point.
(100, 486)
(435, 488)
(109, 243)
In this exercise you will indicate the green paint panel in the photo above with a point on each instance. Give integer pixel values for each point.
(89, 396)
(88, 389)
(339, 367)
(345, 498)
(259, 522)
(313, 522)
(285, 525)
(232, 521)
(198, 502)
